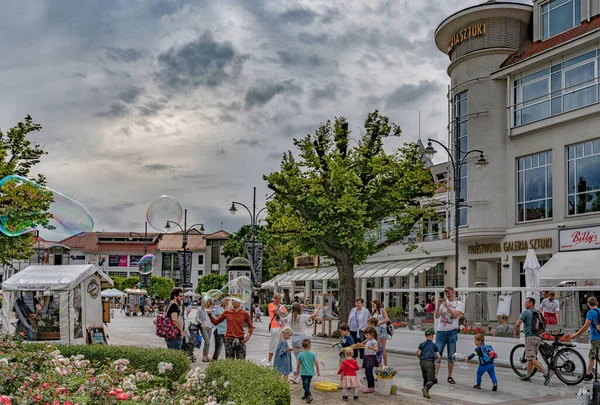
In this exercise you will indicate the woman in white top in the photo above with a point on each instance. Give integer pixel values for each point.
(206, 327)
(296, 320)
(379, 312)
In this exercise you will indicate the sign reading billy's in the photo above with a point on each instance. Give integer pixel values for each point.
(579, 238)
(466, 33)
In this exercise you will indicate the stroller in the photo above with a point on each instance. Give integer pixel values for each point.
(192, 340)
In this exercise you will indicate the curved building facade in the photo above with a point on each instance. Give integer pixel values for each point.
(525, 89)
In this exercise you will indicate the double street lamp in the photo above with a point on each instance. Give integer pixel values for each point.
(186, 275)
(144, 279)
(256, 273)
(457, 163)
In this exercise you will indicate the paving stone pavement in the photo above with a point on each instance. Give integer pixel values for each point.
(139, 331)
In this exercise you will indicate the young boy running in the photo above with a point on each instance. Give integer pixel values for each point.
(486, 361)
(427, 354)
(307, 363)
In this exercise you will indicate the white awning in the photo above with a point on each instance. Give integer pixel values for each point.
(577, 265)
(415, 267)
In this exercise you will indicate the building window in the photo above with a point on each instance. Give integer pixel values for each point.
(214, 255)
(200, 259)
(461, 129)
(433, 227)
(434, 277)
(200, 273)
(534, 194)
(559, 16)
(565, 86)
(584, 177)
(170, 267)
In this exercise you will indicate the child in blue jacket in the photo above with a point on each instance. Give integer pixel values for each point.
(486, 356)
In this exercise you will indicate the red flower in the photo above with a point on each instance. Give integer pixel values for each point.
(122, 396)
(4, 400)
(37, 397)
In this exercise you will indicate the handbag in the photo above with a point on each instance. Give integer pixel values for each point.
(165, 327)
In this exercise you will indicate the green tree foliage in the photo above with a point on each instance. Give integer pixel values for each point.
(26, 203)
(211, 282)
(278, 254)
(332, 198)
(159, 286)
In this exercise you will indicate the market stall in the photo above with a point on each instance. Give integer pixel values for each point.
(133, 300)
(58, 303)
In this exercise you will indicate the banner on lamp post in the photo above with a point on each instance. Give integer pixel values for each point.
(255, 262)
(185, 264)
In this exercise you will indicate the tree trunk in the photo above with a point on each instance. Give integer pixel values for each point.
(347, 288)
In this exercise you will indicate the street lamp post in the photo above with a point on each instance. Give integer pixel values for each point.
(256, 275)
(185, 230)
(143, 279)
(457, 163)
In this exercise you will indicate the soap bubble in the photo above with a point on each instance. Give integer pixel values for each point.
(239, 289)
(460, 359)
(164, 208)
(213, 295)
(67, 215)
(147, 264)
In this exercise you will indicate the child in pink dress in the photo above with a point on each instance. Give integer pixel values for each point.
(348, 370)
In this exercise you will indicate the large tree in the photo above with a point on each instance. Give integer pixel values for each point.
(23, 203)
(334, 196)
(278, 253)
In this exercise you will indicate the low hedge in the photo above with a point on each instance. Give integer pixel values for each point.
(251, 384)
(140, 358)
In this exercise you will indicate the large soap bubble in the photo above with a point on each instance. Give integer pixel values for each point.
(147, 264)
(67, 215)
(164, 208)
(239, 289)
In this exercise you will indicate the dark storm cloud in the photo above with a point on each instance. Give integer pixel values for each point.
(327, 92)
(294, 59)
(151, 108)
(310, 38)
(299, 15)
(259, 96)
(116, 110)
(203, 62)
(125, 54)
(158, 167)
(130, 94)
(411, 93)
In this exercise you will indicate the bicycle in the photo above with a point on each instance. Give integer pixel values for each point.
(560, 357)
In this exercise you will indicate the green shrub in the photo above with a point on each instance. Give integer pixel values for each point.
(251, 384)
(140, 358)
(394, 312)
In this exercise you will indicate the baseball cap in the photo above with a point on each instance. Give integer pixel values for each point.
(429, 332)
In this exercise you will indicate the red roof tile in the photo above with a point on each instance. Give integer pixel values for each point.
(533, 48)
(173, 242)
(218, 235)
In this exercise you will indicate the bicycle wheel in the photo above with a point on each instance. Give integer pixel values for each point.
(569, 366)
(518, 361)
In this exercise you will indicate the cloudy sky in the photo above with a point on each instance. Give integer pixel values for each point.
(198, 99)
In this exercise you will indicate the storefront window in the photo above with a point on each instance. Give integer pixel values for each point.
(534, 184)
(559, 16)
(566, 86)
(584, 177)
(434, 277)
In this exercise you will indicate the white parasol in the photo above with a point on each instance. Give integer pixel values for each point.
(532, 276)
(113, 292)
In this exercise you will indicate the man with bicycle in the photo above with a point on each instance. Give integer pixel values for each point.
(592, 318)
(532, 341)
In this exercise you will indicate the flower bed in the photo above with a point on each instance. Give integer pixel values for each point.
(31, 374)
(254, 384)
(473, 331)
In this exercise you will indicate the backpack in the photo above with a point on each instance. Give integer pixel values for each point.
(538, 324)
(598, 314)
(165, 328)
(488, 353)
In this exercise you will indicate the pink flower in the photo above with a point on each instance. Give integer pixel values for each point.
(4, 400)
(122, 396)
(61, 390)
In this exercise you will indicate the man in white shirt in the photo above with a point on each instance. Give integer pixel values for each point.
(550, 307)
(448, 312)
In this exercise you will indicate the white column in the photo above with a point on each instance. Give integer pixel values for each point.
(363, 288)
(308, 290)
(386, 295)
(292, 290)
(411, 298)
(324, 282)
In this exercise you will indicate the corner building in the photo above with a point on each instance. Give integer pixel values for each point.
(524, 89)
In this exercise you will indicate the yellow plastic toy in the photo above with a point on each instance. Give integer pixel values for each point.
(326, 386)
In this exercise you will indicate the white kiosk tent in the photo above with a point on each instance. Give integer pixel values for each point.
(69, 296)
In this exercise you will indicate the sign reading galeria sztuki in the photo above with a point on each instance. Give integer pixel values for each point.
(579, 238)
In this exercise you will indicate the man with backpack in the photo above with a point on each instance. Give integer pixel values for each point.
(534, 326)
(592, 318)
